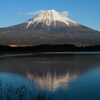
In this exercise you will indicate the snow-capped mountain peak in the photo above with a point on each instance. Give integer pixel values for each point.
(51, 18)
(49, 27)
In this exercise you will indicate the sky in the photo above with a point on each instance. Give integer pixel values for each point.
(85, 12)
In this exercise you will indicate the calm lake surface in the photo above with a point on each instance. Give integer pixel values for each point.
(75, 75)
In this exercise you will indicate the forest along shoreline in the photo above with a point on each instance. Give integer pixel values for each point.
(47, 48)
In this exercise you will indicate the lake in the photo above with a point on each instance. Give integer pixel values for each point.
(74, 75)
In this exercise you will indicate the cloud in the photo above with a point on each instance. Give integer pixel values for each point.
(10, 7)
(65, 13)
(18, 13)
(37, 12)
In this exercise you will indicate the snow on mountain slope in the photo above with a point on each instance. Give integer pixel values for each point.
(51, 17)
(48, 27)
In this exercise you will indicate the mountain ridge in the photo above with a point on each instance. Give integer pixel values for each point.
(49, 27)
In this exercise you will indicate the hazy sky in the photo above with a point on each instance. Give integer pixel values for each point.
(85, 12)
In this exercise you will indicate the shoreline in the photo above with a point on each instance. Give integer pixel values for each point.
(46, 53)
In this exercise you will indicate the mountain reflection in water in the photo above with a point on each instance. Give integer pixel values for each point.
(76, 74)
(50, 72)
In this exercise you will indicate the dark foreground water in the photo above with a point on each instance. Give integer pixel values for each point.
(75, 75)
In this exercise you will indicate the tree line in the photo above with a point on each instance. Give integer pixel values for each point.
(49, 48)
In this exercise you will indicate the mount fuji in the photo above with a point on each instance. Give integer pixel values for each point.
(49, 27)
